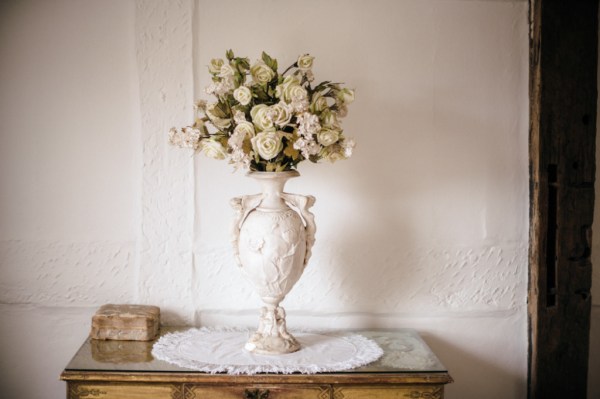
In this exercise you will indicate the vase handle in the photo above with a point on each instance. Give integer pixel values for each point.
(243, 206)
(302, 204)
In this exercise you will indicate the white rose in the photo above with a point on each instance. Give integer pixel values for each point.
(215, 65)
(289, 80)
(330, 120)
(213, 149)
(261, 73)
(346, 96)
(261, 116)
(282, 114)
(305, 62)
(246, 128)
(334, 153)
(226, 71)
(243, 95)
(319, 103)
(295, 93)
(267, 144)
(327, 137)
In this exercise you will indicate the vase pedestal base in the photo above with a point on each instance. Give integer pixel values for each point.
(272, 337)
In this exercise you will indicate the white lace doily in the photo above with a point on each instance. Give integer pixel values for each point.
(213, 350)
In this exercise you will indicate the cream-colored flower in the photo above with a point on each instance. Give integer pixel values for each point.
(243, 95)
(267, 144)
(213, 149)
(334, 153)
(289, 80)
(346, 96)
(282, 114)
(246, 128)
(261, 117)
(295, 93)
(319, 103)
(327, 137)
(305, 62)
(261, 73)
(226, 71)
(329, 119)
(215, 65)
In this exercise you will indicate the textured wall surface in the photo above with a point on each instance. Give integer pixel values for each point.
(425, 227)
(164, 59)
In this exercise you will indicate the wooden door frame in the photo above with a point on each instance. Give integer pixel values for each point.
(563, 94)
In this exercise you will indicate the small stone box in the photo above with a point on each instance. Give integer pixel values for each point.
(126, 323)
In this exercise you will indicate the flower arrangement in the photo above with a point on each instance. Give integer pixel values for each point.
(266, 121)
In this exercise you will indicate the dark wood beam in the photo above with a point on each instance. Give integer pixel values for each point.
(563, 94)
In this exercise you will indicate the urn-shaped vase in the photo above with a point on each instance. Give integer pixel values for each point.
(273, 235)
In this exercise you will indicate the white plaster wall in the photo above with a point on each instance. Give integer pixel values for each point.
(425, 227)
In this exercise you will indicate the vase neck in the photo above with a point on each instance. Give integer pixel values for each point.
(272, 184)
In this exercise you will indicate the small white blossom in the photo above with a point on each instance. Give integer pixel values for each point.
(239, 117)
(307, 146)
(188, 137)
(348, 147)
(308, 124)
(236, 140)
(239, 159)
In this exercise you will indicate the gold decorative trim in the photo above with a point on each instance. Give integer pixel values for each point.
(337, 393)
(436, 393)
(325, 393)
(77, 391)
(188, 392)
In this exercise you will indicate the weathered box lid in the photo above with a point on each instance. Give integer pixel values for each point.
(126, 322)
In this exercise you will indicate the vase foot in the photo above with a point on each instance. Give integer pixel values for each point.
(272, 337)
(272, 345)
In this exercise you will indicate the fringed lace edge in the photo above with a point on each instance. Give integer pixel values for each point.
(367, 352)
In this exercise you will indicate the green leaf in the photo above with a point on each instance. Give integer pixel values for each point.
(243, 64)
(270, 62)
(229, 54)
(322, 85)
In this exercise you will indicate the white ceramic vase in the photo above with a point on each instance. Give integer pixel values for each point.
(272, 238)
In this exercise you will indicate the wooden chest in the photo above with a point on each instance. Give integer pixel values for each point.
(408, 369)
